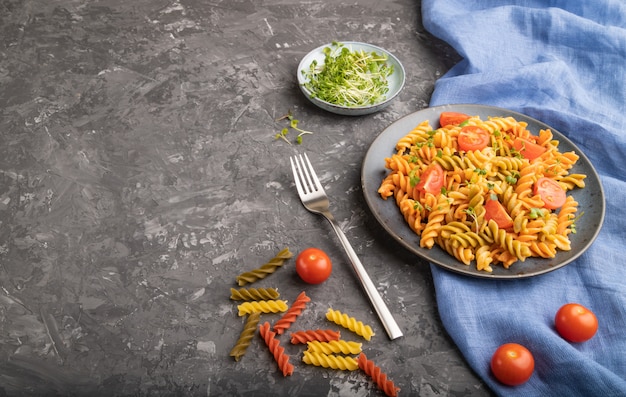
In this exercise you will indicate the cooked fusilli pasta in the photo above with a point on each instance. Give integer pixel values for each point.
(456, 218)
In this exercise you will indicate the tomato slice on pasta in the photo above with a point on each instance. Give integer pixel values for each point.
(452, 118)
(529, 150)
(551, 193)
(496, 211)
(472, 137)
(432, 179)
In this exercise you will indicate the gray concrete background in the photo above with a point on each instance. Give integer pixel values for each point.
(139, 175)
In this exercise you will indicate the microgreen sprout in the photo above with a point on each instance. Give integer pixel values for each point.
(536, 213)
(293, 123)
(349, 77)
(572, 227)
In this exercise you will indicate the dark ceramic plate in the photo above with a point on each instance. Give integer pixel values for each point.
(590, 199)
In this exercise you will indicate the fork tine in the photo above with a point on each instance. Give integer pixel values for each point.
(315, 183)
(295, 168)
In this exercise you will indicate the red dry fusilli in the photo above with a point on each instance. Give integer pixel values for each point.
(322, 335)
(276, 349)
(379, 377)
(290, 316)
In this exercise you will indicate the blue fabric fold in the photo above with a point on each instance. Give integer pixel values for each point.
(563, 63)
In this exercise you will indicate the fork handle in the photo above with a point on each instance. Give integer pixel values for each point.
(392, 328)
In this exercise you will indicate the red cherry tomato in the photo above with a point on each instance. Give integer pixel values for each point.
(529, 150)
(575, 323)
(452, 118)
(432, 179)
(551, 193)
(313, 266)
(496, 211)
(472, 137)
(512, 364)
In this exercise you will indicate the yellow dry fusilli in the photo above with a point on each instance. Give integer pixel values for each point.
(350, 323)
(271, 306)
(330, 361)
(335, 346)
(456, 218)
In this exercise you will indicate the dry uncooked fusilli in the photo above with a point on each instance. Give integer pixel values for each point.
(272, 306)
(330, 361)
(350, 323)
(264, 270)
(276, 349)
(245, 338)
(335, 346)
(322, 335)
(379, 377)
(290, 316)
(254, 294)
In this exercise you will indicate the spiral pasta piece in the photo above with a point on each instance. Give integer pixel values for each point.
(350, 323)
(245, 338)
(496, 172)
(322, 335)
(377, 375)
(271, 306)
(254, 294)
(335, 346)
(276, 349)
(329, 361)
(290, 316)
(265, 269)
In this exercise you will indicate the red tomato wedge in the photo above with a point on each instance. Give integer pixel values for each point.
(496, 211)
(472, 137)
(529, 150)
(551, 193)
(452, 118)
(432, 179)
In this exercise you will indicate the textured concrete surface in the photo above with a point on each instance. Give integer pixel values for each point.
(139, 175)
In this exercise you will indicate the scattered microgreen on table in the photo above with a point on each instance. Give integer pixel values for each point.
(293, 123)
(349, 77)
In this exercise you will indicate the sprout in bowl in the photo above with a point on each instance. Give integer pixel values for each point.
(350, 78)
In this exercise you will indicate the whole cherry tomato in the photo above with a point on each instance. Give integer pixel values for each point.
(512, 364)
(575, 322)
(313, 266)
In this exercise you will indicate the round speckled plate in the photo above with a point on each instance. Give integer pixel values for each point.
(590, 199)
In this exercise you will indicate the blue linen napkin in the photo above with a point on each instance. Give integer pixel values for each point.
(562, 62)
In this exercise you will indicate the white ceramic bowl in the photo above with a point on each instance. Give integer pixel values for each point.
(395, 80)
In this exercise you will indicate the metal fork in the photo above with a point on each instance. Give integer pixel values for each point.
(314, 199)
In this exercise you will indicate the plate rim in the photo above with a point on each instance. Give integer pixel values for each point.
(453, 264)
